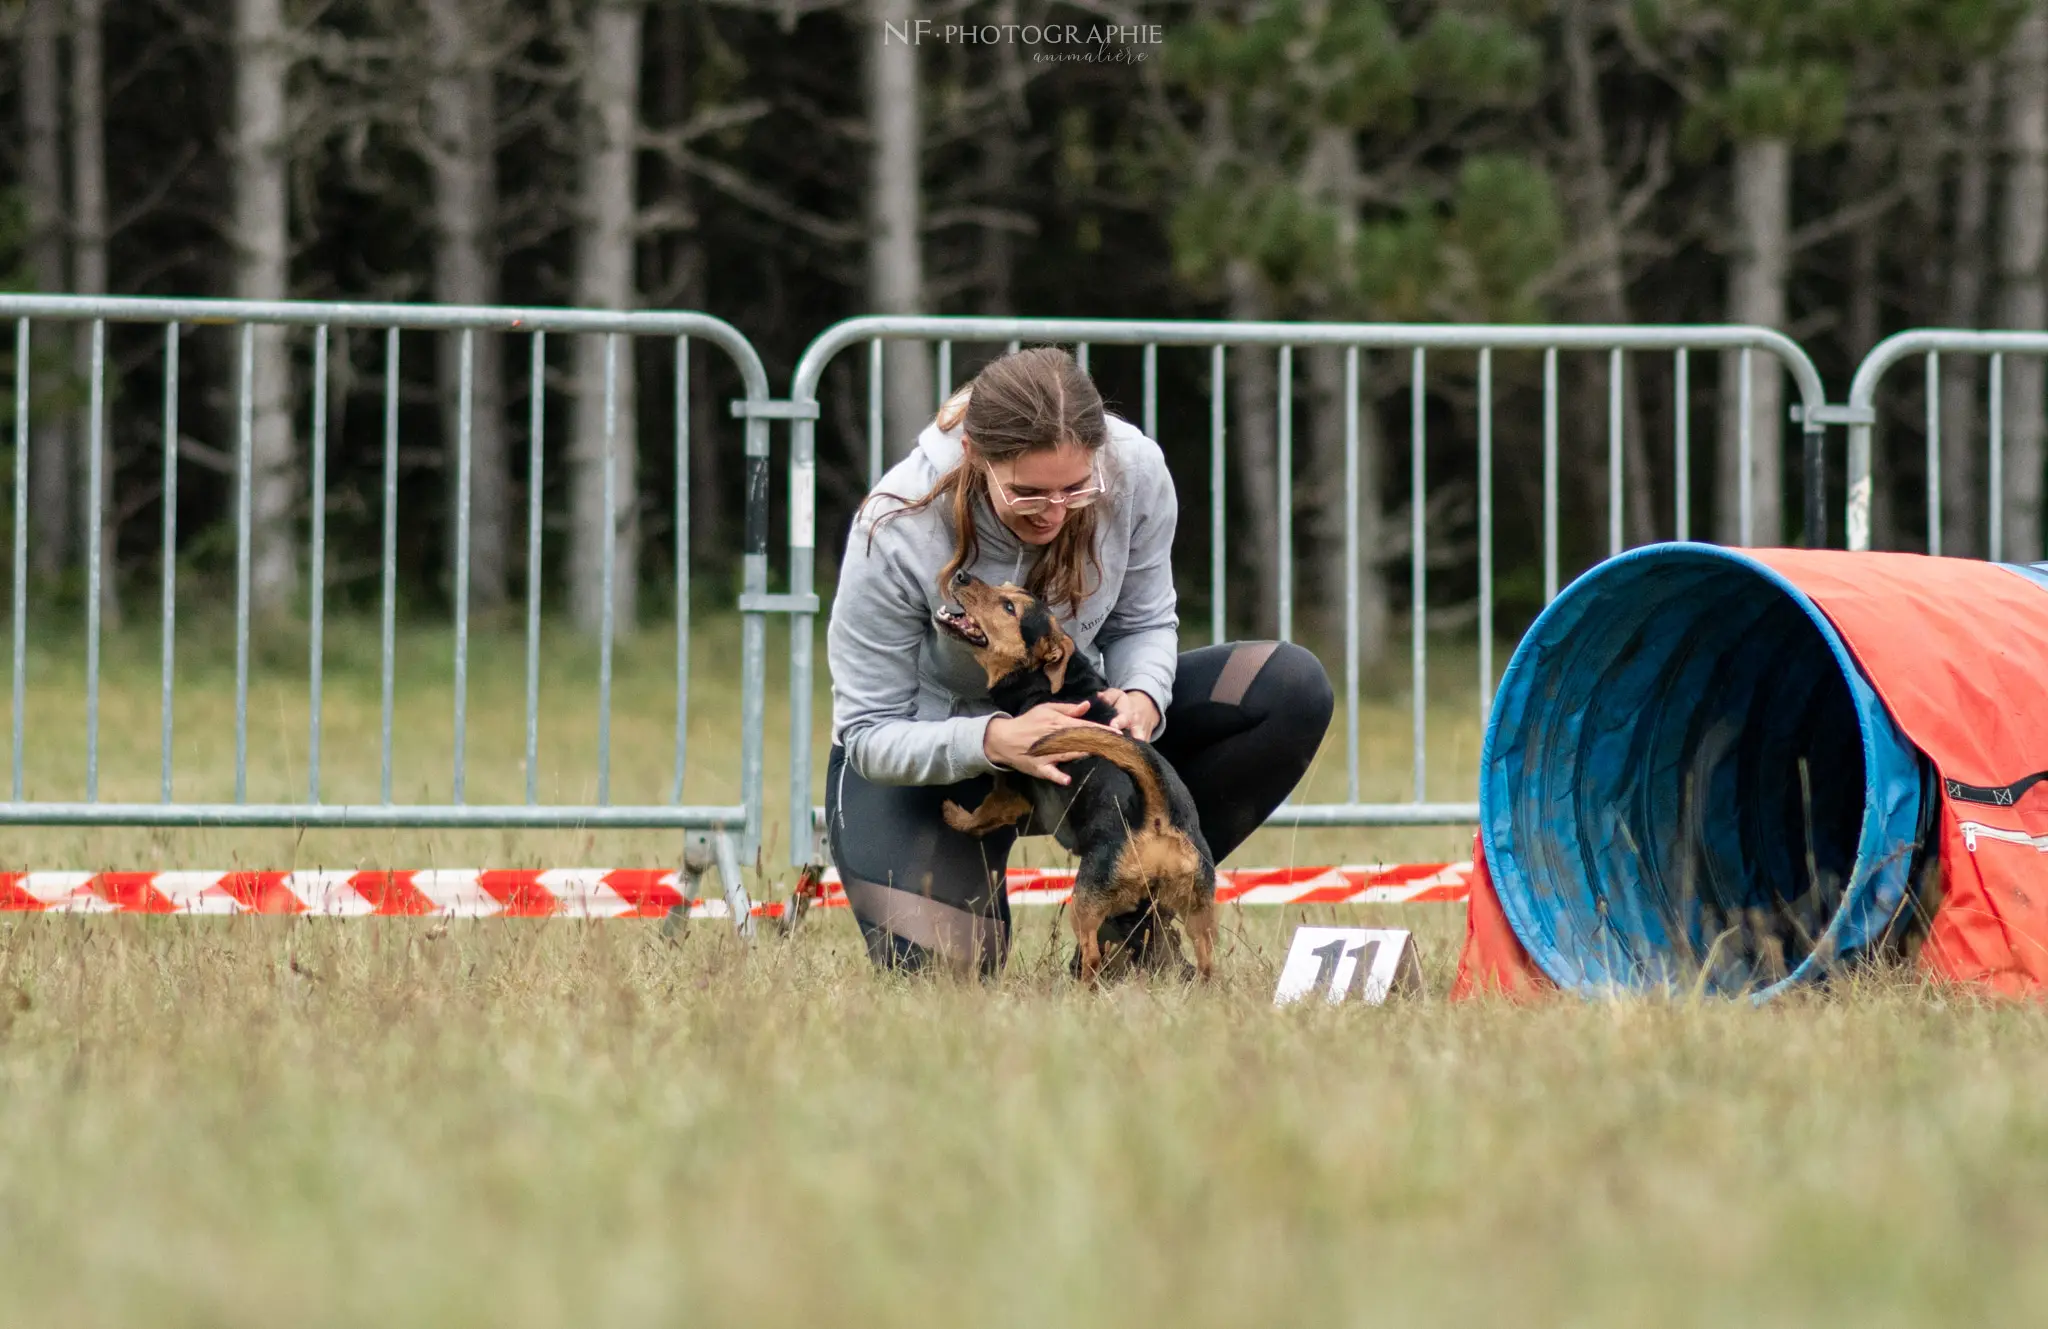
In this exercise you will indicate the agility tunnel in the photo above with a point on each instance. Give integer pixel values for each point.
(1736, 772)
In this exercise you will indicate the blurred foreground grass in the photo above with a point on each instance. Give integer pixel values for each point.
(252, 1122)
(261, 1121)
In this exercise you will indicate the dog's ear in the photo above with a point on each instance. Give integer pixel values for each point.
(1052, 651)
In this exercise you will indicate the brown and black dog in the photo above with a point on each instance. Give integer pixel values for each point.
(1126, 814)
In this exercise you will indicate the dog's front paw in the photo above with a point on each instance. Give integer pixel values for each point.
(959, 818)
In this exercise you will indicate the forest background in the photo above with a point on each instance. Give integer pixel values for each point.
(1836, 169)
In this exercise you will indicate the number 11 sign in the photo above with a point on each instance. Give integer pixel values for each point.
(1373, 962)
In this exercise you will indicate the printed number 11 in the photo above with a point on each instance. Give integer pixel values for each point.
(1330, 954)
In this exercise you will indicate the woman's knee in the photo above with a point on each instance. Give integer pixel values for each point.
(1295, 692)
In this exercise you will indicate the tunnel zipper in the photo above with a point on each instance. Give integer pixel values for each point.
(1973, 829)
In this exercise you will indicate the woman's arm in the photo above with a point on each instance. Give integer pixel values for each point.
(880, 617)
(1140, 639)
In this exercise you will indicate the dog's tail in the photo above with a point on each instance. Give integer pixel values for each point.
(1120, 752)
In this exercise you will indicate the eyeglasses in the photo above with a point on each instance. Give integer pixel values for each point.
(1030, 505)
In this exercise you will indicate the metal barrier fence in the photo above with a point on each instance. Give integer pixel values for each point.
(1284, 338)
(1861, 417)
(729, 832)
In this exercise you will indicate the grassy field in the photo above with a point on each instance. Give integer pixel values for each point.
(399, 1122)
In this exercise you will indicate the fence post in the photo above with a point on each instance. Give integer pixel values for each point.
(803, 557)
(1813, 433)
(753, 628)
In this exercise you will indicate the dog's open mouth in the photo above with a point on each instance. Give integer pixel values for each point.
(959, 623)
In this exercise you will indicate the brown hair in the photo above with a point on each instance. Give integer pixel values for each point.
(1027, 401)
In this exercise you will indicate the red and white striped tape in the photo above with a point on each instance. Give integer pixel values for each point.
(1377, 883)
(618, 892)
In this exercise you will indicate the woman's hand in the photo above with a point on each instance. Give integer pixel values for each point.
(1007, 740)
(1136, 713)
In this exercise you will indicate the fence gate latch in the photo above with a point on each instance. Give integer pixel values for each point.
(742, 409)
(754, 602)
(1835, 415)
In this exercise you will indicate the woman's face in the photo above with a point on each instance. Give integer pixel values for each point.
(1032, 477)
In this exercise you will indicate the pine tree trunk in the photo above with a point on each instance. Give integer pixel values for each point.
(1962, 471)
(1002, 167)
(1593, 198)
(1254, 442)
(50, 463)
(1963, 474)
(89, 275)
(1332, 177)
(895, 218)
(2023, 237)
(1870, 167)
(462, 126)
(262, 272)
(1756, 295)
(1326, 426)
(998, 259)
(709, 544)
(605, 280)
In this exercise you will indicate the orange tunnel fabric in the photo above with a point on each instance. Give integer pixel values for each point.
(1957, 650)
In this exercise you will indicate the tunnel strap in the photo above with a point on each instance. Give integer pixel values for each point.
(1997, 796)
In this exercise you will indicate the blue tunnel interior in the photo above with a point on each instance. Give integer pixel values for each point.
(1687, 782)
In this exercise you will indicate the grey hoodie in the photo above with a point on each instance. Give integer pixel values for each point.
(909, 705)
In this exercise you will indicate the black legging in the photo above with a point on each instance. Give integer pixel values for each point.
(1246, 720)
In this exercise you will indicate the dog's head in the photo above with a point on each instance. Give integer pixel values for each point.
(1010, 631)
